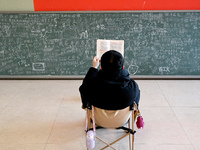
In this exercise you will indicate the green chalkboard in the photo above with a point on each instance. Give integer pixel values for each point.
(64, 44)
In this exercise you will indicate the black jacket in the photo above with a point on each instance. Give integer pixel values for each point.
(109, 94)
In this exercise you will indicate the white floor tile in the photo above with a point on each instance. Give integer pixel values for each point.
(163, 147)
(69, 126)
(161, 127)
(8, 90)
(47, 115)
(190, 121)
(26, 124)
(11, 146)
(181, 93)
(151, 95)
(49, 93)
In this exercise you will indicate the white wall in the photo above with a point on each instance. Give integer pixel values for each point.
(16, 5)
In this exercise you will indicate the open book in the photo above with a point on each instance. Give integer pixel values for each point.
(106, 45)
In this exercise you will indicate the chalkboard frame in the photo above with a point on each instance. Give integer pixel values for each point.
(80, 77)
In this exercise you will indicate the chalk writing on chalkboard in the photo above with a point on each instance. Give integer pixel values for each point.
(155, 43)
(132, 69)
(38, 67)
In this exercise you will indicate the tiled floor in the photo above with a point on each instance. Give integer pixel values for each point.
(47, 115)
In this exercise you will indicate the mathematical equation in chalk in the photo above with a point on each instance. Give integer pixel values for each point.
(159, 43)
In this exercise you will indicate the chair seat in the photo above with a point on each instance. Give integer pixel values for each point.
(112, 118)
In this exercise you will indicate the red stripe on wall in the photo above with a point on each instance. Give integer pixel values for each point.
(87, 5)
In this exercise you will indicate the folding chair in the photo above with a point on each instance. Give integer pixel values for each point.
(110, 119)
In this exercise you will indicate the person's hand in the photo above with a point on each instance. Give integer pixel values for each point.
(95, 62)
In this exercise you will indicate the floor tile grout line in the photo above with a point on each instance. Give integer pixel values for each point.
(56, 117)
(171, 107)
(12, 98)
(52, 128)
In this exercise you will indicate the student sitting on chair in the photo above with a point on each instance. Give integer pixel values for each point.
(109, 88)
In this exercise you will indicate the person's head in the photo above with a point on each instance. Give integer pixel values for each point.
(112, 62)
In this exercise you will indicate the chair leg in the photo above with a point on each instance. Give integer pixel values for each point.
(129, 126)
(131, 138)
(88, 123)
(89, 119)
(132, 142)
(133, 121)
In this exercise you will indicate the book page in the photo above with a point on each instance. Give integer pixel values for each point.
(106, 45)
(102, 47)
(117, 45)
